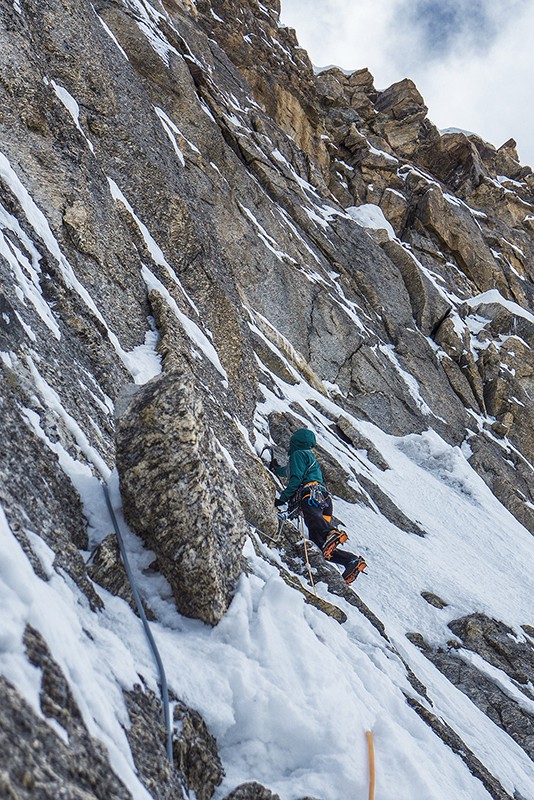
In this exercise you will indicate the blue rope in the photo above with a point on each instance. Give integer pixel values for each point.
(146, 626)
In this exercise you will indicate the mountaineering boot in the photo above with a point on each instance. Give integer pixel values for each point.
(333, 539)
(353, 569)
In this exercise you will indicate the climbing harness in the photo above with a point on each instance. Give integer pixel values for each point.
(316, 494)
(318, 491)
(371, 752)
(148, 632)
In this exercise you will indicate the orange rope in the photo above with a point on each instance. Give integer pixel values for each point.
(371, 749)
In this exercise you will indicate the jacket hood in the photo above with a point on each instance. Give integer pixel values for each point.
(303, 439)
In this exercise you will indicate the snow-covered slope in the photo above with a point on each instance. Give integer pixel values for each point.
(287, 691)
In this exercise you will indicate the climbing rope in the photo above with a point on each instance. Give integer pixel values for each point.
(371, 750)
(301, 525)
(148, 632)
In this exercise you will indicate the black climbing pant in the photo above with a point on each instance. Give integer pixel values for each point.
(319, 526)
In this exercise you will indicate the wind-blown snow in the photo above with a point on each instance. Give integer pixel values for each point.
(409, 380)
(51, 400)
(172, 131)
(191, 328)
(25, 272)
(112, 36)
(79, 642)
(267, 240)
(147, 18)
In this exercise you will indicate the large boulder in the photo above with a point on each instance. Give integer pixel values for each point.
(405, 125)
(456, 162)
(178, 494)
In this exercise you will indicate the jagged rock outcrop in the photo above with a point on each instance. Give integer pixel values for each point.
(451, 738)
(146, 737)
(39, 761)
(178, 495)
(458, 235)
(36, 760)
(429, 306)
(255, 791)
(406, 112)
(252, 791)
(43, 764)
(497, 644)
(35, 491)
(499, 647)
(174, 186)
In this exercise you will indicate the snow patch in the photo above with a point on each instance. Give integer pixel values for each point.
(37, 220)
(112, 36)
(170, 129)
(26, 271)
(494, 296)
(267, 240)
(72, 107)
(369, 215)
(191, 328)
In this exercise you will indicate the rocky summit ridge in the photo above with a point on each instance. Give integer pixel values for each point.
(205, 245)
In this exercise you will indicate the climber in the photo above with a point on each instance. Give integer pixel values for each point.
(306, 490)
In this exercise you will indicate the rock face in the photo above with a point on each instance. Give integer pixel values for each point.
(107, 570)
(203, 246)
(147, 742)
(196, 754)
(178, 495)
(252, 791)
(496, 645)
(36, 761)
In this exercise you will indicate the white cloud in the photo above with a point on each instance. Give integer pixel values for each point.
(335, 33)
(490, 93)
(476, 75)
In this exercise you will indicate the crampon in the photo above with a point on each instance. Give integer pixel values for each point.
(353, 569)
(334, 539)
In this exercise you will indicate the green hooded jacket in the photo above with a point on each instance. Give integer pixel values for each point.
(303, 466)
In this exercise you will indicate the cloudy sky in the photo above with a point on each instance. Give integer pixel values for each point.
(472, 60)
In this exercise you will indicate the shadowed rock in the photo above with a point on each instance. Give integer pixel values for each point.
(196, 754)
(108, 570)
(252, 791)
(35, 761)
